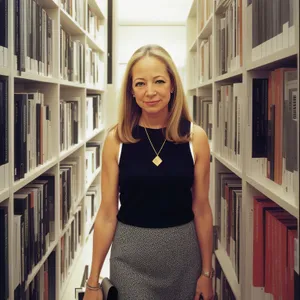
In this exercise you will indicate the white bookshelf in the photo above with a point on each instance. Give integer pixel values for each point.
(198, 29)
(54, 88)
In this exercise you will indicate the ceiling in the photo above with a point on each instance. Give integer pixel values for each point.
(153, 12)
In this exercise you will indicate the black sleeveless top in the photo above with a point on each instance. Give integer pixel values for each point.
(151, 196)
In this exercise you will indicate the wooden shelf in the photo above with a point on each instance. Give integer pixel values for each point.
(192, 11)
(96, 173)
(71, 271)
(36, 268)
(94, 133)
(274, 60)
(69, 24)
(25, 76)
(48, 3)
(4, 194)
(66, 227)
(93, 89)
(71, 84)
(228, 164)
(193, 46)
(4, 71)
(95, 45)
(207, 29)
(222, 6)
(205, 84)
(275, 192)
(33, 174)
(94, 4)
(229, 271)
(70, 151)
(230, 76)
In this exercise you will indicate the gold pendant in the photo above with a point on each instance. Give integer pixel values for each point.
(157, 160)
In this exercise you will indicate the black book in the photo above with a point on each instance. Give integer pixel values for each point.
(20, 125)
(4, 275)
(3, 120)
(259, 104)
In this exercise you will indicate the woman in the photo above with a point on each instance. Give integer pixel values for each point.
(157, 162)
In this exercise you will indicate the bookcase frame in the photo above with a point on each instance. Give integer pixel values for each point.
(54, 87)
(251, 184)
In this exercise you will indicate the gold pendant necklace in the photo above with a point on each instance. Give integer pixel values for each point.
(157, 160)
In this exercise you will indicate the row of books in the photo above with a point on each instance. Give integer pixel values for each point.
(228, 203)
(94, 69)
(95, 27)
(202, 113)
(205, 69)
(4, 274)
(69, 122)
(193, 67)
(229, 35)
(275, 251)
(4, 139)
(34, 229)
(76, 9)
(205, 9)
(70, 243)
(91, 205)
(33, 128)
(274, 127)
(72, 56)
(273, 26)
(79, 63)
(33, 38)
(32, 132)
(228, 122)
(92, 159)
(94, 114)
(3, 33)
(222, 287)
(70, 188)
(275, 244)
(43, 286)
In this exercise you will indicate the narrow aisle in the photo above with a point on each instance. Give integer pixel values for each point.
(84, 259)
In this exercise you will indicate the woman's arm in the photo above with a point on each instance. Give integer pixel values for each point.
(106, 220)
(201, 207)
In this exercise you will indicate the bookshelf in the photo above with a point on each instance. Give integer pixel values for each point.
(52, 83)
(231, 59)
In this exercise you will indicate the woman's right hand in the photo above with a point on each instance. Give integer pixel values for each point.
(93, 295)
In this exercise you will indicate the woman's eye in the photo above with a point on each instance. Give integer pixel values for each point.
(160, 81)
(139, 83)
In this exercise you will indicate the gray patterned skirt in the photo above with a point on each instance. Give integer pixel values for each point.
(155, 264)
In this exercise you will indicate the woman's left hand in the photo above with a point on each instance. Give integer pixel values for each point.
(204, 288)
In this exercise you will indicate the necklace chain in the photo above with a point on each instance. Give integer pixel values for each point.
(157, 153)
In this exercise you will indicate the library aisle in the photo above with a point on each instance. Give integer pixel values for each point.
(242, 86)
(76, 274)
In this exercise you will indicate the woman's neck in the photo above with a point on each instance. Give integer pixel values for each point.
(153, 121)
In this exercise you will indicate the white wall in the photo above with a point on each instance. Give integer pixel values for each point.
(130, 38)
(167, 12)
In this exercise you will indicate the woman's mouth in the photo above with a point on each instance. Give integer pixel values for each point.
(150, 103)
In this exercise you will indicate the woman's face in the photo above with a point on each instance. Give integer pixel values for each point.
(151, 85)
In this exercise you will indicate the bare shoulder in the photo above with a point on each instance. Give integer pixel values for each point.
(200, 141)
(111, 145)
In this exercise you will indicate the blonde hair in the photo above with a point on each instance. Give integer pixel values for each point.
(130, 112)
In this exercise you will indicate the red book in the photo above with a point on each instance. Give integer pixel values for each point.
(281, 221)
(292, 234)
(260, 205)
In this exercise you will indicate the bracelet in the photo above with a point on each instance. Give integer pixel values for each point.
(93, 288)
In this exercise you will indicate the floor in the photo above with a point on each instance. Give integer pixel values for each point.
(76, 271)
